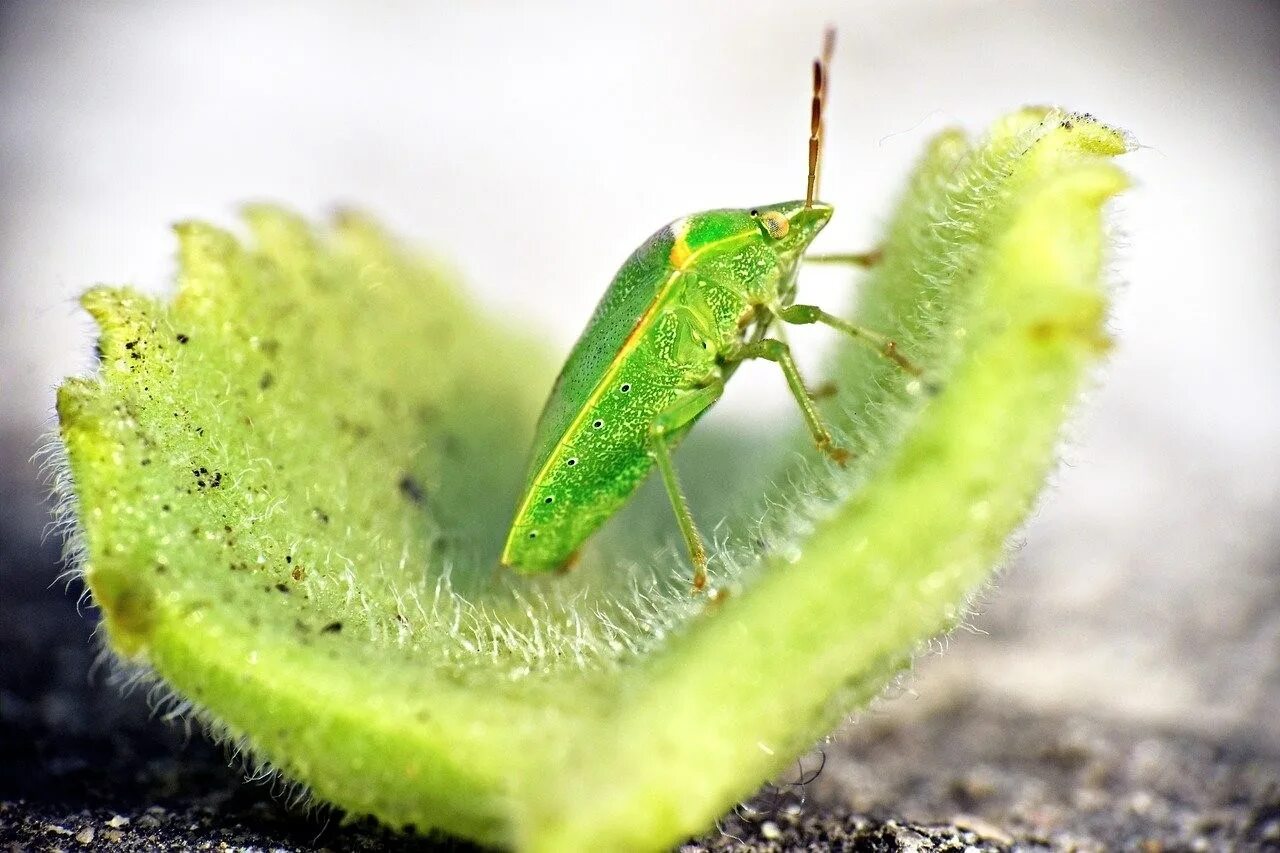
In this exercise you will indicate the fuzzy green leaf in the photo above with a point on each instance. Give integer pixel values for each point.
(293, 479)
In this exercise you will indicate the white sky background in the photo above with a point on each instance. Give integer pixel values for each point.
(536, 148)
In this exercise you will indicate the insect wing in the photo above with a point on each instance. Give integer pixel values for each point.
(632, 292)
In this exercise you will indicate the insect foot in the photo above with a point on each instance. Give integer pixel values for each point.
(699, 573)
(838, 454)
(716, 597)
(891, 352)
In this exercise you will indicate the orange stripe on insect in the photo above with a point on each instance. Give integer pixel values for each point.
(680, 251)
(636, 330)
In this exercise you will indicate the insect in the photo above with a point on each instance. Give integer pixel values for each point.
(697, 299)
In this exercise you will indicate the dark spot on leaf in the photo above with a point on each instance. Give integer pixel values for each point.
(412, 489)
(345, 424)
(288, 558)
(182, 339)
(320, 515)
(331, 628)
(298, 573)
(266, 380)
(282, 587)
(204, 480)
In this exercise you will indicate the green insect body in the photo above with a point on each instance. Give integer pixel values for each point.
(691, 304)
(669, 331)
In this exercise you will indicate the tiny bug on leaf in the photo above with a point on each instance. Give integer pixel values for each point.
(691, 304)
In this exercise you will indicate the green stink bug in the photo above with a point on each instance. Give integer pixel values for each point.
(690, 305)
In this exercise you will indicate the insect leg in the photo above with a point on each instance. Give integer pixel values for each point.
(853, 259)
(776, 351)
(679, 414)
(803, 314)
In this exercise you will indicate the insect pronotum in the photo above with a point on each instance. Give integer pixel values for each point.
(696, 299)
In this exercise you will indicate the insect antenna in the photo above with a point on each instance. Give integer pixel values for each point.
(821, 67)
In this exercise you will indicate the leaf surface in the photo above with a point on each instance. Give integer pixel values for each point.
(292, 481)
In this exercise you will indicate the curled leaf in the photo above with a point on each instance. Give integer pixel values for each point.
(293, 479)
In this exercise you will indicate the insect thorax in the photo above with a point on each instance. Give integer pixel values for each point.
(725, 286)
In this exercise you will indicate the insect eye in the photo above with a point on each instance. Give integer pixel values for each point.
(754, 213)
(775, 224)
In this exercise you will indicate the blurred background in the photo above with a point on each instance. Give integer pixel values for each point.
(535, 147)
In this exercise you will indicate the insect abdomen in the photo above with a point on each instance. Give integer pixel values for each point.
(596, 467)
